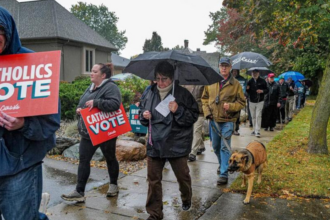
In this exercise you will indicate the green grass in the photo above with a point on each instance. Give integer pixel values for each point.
(291, 171)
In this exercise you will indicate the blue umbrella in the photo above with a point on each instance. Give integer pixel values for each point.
(276, 79)
(294, 75)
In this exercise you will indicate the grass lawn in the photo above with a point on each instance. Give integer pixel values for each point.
(291, 171)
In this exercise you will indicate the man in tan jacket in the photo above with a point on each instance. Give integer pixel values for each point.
(222, 103)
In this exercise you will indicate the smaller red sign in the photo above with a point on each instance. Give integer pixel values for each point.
(103, 126)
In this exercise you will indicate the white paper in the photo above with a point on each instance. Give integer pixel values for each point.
(163, 108)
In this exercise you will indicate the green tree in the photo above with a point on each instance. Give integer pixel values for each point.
(154, 44)
(103, 21)
(298, 24)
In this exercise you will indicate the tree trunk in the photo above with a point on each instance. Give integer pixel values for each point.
(317, 143)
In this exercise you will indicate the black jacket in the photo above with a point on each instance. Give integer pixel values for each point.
(291, 92)
(172, 135)
(284, 88)
(254, 86)
(273, 95)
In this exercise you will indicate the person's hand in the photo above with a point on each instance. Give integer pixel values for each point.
(11, 123)
(260, 91)
(226, 106)
(209, 117)
(278, 105)
(247, 87)
(137, 104)
(173, 106)
(89, 104)
(78, 111)
(146, 115)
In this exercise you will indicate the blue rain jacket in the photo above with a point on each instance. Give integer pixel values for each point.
(27, 146)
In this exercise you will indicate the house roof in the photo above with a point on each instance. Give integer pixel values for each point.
(44, 19)
(119, 61)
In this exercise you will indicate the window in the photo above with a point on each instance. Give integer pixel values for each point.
(89, 59)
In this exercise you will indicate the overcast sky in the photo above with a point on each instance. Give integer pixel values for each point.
(173, 20)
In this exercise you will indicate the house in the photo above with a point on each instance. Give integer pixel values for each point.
(119, 63)
(211, 58)
(44, 25)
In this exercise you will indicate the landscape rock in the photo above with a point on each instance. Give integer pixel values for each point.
(130, 150)
(73, 152)
(62, 143)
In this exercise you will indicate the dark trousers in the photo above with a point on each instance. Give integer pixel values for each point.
(86, 152)
(281, 111)
(249, 113)
(269, 114)
(238, 121)
(180, 168)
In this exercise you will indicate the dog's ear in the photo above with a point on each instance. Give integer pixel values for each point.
(244, 158)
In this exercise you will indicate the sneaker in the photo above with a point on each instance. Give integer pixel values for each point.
(253, 133)
(200, 151)
(271, 129)
(258, 135)
(218, 170)
(113, 190)
(45, 197)
(290, 119)
(74, 196)
(250, 126)
(191, 158)
(236, 133)
(186, 206)
(222, 180)
(266, 129)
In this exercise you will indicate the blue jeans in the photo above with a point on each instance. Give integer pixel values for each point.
(300, 98)
(219, 147)
(20, 195)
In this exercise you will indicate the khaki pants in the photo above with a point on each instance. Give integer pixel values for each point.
(180, 168)
(289, 106)
(198, 142)
(256, 112)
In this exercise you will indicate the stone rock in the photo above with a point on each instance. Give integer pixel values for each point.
(142, 140)
(73, 152)
(130, 150)
(62, 143)
(125, 138)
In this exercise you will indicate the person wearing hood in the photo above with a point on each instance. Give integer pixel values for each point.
(103, 94)
(170, 137)
(25, 140)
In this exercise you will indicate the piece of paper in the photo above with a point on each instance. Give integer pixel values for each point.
(163, 108)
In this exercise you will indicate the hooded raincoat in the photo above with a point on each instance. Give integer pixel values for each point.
(28, 145)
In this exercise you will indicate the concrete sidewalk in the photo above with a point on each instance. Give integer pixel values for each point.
(208, 201)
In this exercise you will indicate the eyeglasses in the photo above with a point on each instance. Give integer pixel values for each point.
(164, 79)
(224, 66)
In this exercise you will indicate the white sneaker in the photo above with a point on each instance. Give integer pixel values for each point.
(45, 197)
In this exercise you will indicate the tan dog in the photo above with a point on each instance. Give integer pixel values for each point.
(249, 160)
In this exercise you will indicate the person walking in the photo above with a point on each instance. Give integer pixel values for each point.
(198, 146)
(271, 104)
(284, 88)
(256, 88)
(241, 81)
(289, 105)
(301, 90)
(221, 104)
(170, 137)
(28, 139)
(103, 94)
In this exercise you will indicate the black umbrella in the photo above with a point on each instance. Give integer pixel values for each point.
(263, 71)
(308, 82)
(189, 69)
(246, 60)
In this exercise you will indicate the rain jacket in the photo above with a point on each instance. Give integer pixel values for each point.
(28, 145)
(231, 93)
(106, 97)
(254, 86)
(273, 95)
(171, 135)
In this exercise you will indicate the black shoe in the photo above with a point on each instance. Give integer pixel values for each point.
(236, 133)
(218, 170)
(271, 129)
(258, 135)
(191, 158)
(200, 151)
(251, 126)
(253, 133)
(222, 180)
(266, 129)
(290, 119)
(186, 206)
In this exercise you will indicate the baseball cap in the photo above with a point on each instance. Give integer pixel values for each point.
(281, 77)
(271, 75)
(225, 60)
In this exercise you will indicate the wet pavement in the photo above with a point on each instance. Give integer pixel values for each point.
(208, 201)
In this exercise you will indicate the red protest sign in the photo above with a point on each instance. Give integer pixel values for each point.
(30, 83)
(103, 126)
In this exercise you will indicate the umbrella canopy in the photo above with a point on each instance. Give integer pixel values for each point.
(246, 60)
(263, 71)
(294, 75)
(189, 69)
(308, 82)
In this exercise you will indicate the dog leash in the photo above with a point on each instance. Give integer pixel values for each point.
(217, 129)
